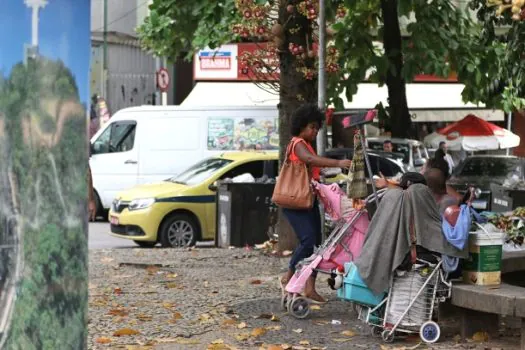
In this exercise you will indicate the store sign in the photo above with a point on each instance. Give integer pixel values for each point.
(215, 64)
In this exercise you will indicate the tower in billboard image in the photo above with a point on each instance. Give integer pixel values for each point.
(31, 50)
(44, 92)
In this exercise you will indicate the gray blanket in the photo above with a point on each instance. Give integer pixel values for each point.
(387, 241)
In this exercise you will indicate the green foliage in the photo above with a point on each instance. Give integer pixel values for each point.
(495, 74)
(440, 39)
(51, 306)
(176, 27)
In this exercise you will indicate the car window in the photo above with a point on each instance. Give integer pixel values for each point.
(118, 137)
(201, 171)
(397, 148)
(255, 168)
(271, 168)
(491, 167)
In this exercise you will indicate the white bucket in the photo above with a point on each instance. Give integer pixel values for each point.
(483, 267)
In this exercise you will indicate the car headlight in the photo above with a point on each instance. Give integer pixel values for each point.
(142, 203)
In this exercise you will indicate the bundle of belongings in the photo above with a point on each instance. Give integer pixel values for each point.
(407, 224)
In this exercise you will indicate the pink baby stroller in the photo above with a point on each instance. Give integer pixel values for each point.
(344, 243)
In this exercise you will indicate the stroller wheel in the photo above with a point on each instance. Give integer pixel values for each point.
(376, 331)
(430, 332)
(299, 307)
(388, 336)
(284, 301)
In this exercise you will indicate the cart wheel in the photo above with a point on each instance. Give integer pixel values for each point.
(430, 332)
(284, 301)
(376, 331)
(388, 336)
(299, 307)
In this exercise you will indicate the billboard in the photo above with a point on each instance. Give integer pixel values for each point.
(44, 94)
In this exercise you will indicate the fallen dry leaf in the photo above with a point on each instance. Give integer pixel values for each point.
(118, 312)
(243, 336)
(228, 322)
(106, 260)
(255, 282)
(205, 317)
(171, 275)
(265, 316)
(304, 342)
(315, 307)
(144, 317)
(480, 337)
(274, 328)
(139, 347)
(168, 305)
(117, 291)
(274, 347)
(176, 316)
(349, 333)
(103, 340)
(241, 325)
(217, 341)
(298, 330)
(171, 285)
(152, 270)
(218, 347)
(274, 319)
(125, 331)
(257, 332)
(321, 322)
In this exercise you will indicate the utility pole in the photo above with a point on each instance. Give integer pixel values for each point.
(321, 100)
(164, 94)
(105, 87)
(321, 92)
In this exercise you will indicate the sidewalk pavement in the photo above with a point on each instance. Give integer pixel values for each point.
(208, 298)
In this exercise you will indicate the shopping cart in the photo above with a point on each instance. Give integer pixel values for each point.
(410, 306)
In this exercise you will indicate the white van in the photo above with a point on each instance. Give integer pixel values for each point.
(151, 143)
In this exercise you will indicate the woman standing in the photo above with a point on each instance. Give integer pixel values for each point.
(306, 122)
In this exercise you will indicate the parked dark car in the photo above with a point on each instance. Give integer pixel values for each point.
(482, 170)
(389, 164)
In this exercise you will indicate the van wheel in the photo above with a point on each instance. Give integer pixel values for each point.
(179, 230)
(101, 212)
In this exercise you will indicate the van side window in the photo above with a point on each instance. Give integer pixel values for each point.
(119, 137)
(256, 168)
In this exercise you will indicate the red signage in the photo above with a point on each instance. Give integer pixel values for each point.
(257, 61)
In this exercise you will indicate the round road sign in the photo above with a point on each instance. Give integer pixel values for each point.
(163, 79)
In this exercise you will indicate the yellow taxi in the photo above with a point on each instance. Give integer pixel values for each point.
(181, 210)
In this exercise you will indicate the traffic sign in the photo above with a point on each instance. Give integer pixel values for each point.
(163, 79)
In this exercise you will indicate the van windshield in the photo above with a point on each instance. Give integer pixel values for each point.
(200, 171)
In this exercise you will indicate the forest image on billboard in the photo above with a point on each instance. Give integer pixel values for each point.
(44, 68)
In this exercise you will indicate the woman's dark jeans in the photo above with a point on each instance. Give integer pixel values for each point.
(307, 227)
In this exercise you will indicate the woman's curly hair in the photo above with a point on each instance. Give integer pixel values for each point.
(304, 115)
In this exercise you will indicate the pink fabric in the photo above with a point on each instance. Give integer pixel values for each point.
(335, 255)
(330, 196)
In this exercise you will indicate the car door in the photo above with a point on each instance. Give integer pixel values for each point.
(255, 168)
(114, 160)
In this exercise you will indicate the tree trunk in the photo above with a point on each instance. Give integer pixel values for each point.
(400, 120)
(294, 90)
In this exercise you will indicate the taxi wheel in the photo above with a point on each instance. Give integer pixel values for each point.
(179, 230)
